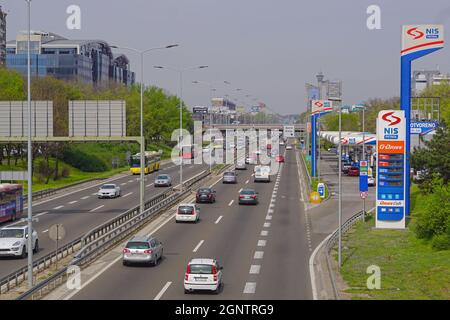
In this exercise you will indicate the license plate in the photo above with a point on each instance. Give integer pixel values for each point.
(200, 279)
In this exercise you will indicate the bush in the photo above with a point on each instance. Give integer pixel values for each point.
(441, 242)
(83, 161)
(65, 172)
(434, 212)
(44, 171)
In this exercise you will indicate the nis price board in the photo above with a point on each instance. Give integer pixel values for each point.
(390, 195)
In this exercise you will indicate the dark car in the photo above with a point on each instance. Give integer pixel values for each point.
(205, 195)
(345, 167)
(248, 196)
(353, 171)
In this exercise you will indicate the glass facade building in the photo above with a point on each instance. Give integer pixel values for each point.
(90, 61)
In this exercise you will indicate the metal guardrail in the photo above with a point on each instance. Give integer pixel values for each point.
(105, 239)
(331, 242)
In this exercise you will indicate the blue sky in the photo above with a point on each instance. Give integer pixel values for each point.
(268, 48)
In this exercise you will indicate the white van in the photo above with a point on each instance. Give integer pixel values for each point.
(262, 173)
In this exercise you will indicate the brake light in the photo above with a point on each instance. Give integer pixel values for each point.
(188, 271)
(241, 197)
(148, 251)
(214, 272)
(254, 197)
(126, 250)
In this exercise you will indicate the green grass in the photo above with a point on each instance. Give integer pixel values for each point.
(410, 268)
(75, 176)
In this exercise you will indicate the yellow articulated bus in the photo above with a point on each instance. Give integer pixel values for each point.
(151, 162)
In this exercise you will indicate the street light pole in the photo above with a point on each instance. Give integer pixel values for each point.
(30, 157)
(180, 72)
(340, 190)
(142, 144)
(364, 158)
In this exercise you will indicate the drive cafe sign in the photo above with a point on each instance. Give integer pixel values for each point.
(391, 134)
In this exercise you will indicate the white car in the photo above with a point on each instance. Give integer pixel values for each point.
(109, 191)
(281, 143)
(288, 147)
(203, 274)
(14, 241)
(371, 181)
(187, 212)
(262, 173)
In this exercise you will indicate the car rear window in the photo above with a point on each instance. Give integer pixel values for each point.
(204, 190)
(201, 269)
(108, 186)
(137, 245)
(247, 192)
(185, 210)
(162, 177)
(229, 174)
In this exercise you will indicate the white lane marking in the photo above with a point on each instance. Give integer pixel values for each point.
(122, 184)
(218, 219)
(254, 269)
(253, 174)
(231, 202)
(72, 202)
(264, 233)
(262, 243)
(246, 182)
(130, 181)
(240, 190)
(41, 214)
(266, 224)
(94, 194)
(84, 198)
(258, 255)
(163, 290)
(58, 207)
(270, 211)
(149, 185)
(45, 231)
(99, 207)
(311, 267)
(268, 217)
(198, 246)
(250, 287)
(129, 193)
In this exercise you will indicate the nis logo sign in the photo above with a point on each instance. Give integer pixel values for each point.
(430, 33)
(389, 131)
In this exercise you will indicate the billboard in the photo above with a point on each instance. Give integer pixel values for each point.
(201, 110)
(14, 118)
(94, 118)
(288, 131)
(391, 168)
(423, 127)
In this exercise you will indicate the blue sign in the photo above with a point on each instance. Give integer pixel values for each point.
(321, 190)
(423, 127)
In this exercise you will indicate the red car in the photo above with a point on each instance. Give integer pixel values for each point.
(353, 172)
(279, 158)
(269, 146)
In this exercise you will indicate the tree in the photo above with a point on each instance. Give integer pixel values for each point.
(11, 85)
(442, 91)
(435, 156)
(350, 122)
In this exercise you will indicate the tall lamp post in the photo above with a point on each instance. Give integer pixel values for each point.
(180, 72)
(142, 147)
(30, 156)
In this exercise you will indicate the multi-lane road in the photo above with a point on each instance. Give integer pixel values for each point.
(80, 210)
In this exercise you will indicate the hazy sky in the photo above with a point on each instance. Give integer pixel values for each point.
(269, 48)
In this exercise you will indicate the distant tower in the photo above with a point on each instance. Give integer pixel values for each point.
(320, 77)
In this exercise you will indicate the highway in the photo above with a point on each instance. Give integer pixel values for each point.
(80, 211)
(263, 248)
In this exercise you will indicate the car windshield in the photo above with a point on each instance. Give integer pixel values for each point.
(185, 210)
(201, 268)
(162, 176)
(11, 233)
(137, 245)
(204, 190)
(108, 186)
(247, 192)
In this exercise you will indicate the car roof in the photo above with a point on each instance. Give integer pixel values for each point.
(186, 204)
(109, 184)
(202, 261)
(253, 190)
(140, 238)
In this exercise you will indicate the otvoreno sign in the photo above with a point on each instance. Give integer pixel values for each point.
(391, 168)
(423, 127)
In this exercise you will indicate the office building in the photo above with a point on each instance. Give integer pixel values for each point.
(426, 78)
(2, 38)
(89, 61)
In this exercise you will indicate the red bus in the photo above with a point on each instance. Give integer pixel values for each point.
(11, 202)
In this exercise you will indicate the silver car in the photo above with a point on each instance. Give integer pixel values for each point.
(240, 165)
(142, 249)
(163, 180)
(109, 191)
(229, 177)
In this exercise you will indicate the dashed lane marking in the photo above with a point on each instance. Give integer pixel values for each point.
(198, 246)
(258, 255)
(99, 207)
(163, 290)
(218, 219)
(250, 287)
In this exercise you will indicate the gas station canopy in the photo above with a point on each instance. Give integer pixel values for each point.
(349, 138)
